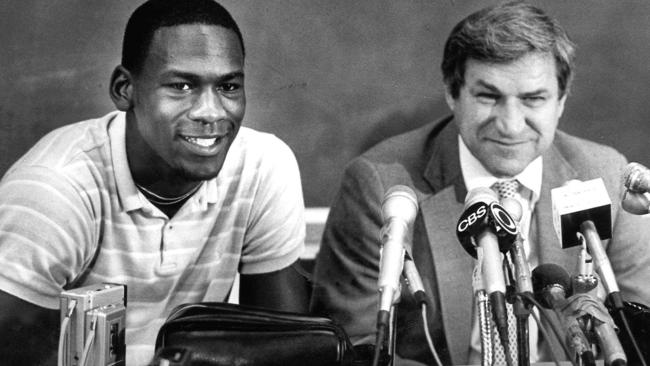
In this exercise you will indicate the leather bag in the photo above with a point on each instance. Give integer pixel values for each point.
(212, 333)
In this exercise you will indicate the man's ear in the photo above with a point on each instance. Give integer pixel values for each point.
(121, 88)
(561, 105)
(451, 102)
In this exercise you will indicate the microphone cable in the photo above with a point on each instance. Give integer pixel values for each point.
(553, 326)
(546, 336)
(416, 287)
(89, 341)
(65, 326)
(427, 334)
(628, 330)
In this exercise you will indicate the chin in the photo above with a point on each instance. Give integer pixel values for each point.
(506, 169)
(199, 174)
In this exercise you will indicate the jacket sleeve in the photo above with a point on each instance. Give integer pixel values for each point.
(347, 265)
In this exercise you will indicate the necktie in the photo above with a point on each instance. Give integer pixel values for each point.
(506, 189)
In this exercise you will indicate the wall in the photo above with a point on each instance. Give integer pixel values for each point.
(330, 77)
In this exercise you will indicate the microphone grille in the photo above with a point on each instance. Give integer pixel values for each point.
(401, 190)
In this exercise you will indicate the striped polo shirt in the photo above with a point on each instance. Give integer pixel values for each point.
(71, 215)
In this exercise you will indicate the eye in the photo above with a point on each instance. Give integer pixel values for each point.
(183, 86)
(487, 97)
(534, 100)
(229, 87)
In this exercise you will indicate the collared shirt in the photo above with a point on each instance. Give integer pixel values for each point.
(530, 179)
(70, 206)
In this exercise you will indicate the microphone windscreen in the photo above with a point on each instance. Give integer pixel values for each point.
(480, 194)
(400, 201)
(550, 274)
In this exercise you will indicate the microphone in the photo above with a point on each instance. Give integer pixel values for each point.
(398, 209)
(517, 252)
(585, 280)
(582, 210)
(523, 282)
(487, 225)
(636, 178)
(551, 284)
(636, 203)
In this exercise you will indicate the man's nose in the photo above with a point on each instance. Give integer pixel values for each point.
(510, 119)
(207, 108)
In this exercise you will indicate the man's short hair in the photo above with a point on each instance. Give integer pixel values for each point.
(154, 14)
(502, 34)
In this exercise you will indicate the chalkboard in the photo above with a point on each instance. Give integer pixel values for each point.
(329, 77)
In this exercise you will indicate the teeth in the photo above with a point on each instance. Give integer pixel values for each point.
(201, 141)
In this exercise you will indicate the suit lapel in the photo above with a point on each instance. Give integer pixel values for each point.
(453, 266)
(556, 173)
(453, 270)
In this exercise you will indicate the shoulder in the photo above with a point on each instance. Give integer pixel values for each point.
(262, 146)
(407, 153)
(408, 144)
(72, 163)
(588, 157)
(256, 156)
(591, 160)
(65, 146)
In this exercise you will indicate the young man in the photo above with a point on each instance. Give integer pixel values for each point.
(507, 71)
(170, 195)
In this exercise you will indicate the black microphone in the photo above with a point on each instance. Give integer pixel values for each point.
(551, 285)
(582, 210)
(486, 224)
(399, 208)
(636, 178)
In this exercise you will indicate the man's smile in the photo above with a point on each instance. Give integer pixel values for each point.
(205, 145)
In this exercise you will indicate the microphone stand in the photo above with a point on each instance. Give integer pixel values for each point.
(392, 338)
(388, 330)
(522, 312)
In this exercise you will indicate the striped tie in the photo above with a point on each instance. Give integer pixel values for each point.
(506, 189)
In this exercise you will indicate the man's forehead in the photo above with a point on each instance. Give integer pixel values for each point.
(200, 40)
(530, 68)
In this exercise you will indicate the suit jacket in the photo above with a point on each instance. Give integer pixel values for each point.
(426, 159)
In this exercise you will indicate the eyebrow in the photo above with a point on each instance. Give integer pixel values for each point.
(487, 85)
(494, 89)
(192, 76)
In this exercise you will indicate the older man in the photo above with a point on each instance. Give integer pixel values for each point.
(507, 71)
